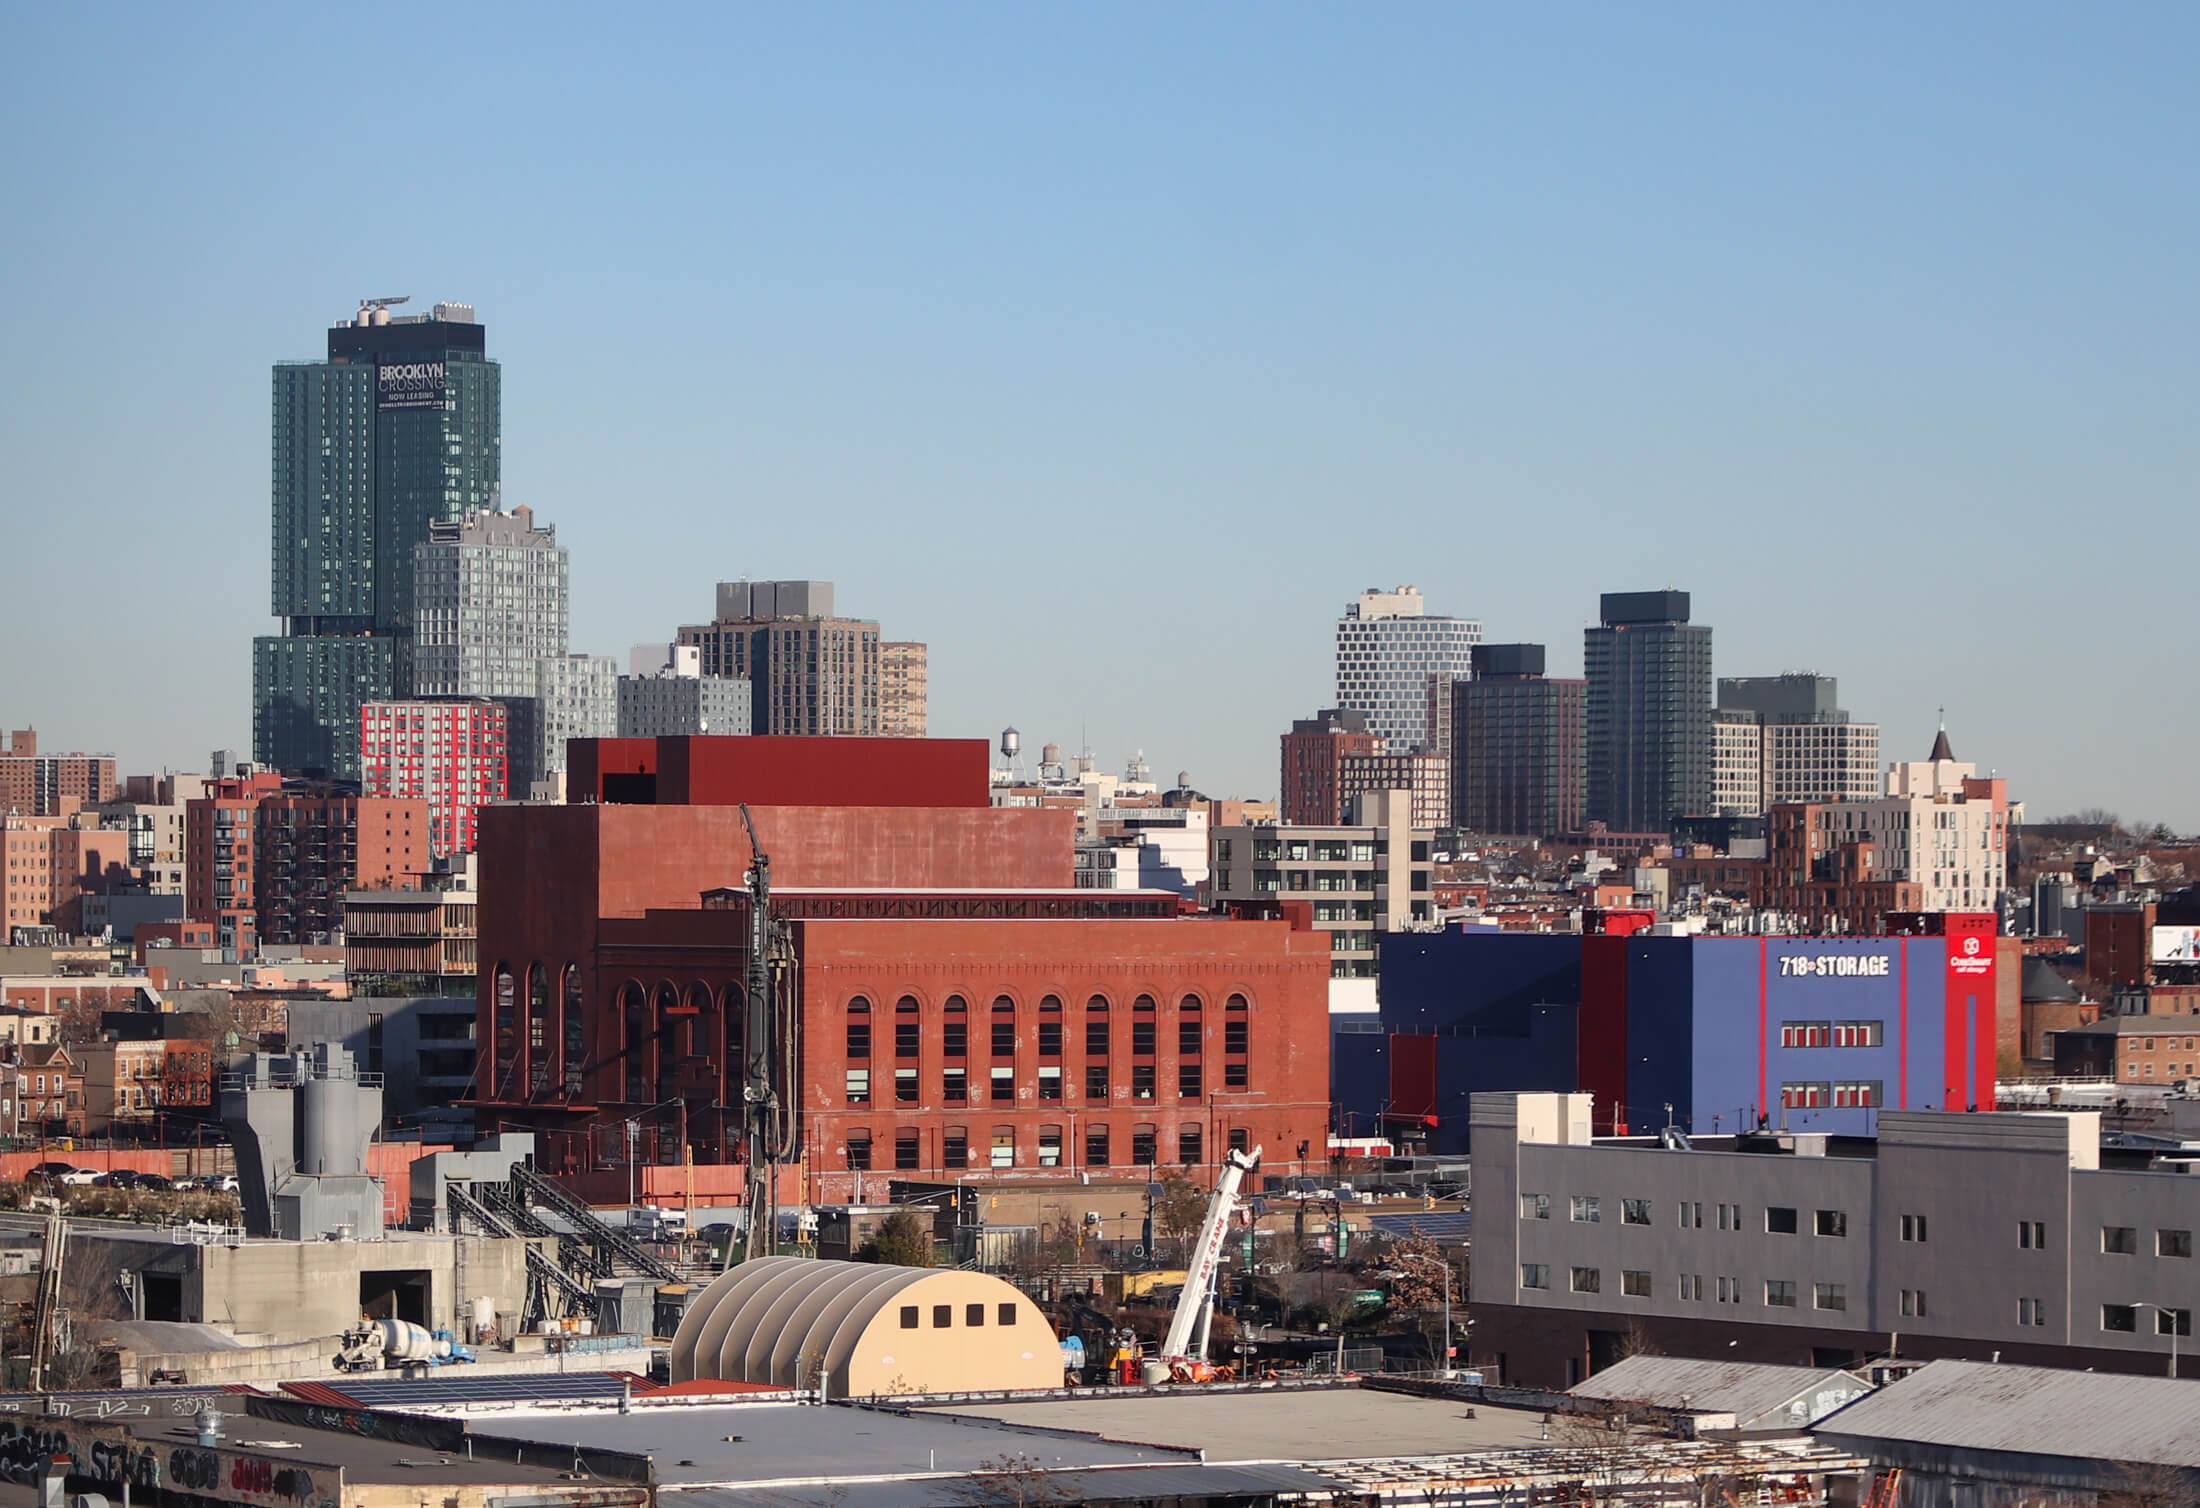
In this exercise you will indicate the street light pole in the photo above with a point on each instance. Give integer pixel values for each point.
(2169, 1322)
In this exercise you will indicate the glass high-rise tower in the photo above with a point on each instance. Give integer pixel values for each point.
(1648, 712)
(396, 429)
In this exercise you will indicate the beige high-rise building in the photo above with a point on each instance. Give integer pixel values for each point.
(903, 698)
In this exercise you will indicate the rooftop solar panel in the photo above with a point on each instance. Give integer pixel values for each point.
(456, 1387)
(1444, 1226)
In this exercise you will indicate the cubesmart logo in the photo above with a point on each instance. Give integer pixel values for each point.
(1971, 1017)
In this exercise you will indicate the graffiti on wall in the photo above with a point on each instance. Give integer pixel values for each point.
(113, 1456)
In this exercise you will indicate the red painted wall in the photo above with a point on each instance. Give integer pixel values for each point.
(694, 956)
(549, 874)
(925, 772)
(1601, 1049)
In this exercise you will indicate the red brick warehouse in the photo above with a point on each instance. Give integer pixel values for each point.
(961, 1009)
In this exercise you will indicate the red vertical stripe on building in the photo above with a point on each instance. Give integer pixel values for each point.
(1764, 1006)
(1902, 1032)
(1601, 1049)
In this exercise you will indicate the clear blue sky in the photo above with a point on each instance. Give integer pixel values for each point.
(1112, 349)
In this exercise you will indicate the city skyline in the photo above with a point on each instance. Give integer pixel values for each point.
(1888, 381)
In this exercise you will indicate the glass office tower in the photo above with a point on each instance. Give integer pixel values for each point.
(396, 429)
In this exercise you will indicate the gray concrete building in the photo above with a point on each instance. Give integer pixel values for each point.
(421, 1047)
(1362, 878)
(1946, 1235)
(669, 706)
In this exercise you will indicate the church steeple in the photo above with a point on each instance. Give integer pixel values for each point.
(1940, 743)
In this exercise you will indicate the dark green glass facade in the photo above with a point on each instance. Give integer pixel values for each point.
(397, 429)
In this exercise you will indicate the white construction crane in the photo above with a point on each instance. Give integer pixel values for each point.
(1180, 1359)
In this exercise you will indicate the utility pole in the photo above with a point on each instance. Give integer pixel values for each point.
(49, 1298)
(764, 1122)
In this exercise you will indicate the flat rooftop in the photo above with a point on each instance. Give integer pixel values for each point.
(1312, 1425)
(363, 1459)
(777, 1442)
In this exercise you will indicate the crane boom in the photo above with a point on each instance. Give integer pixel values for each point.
(1206, 1253)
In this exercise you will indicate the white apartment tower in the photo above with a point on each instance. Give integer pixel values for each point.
(1388, 648)
(576, 696)
(489, 605)
(1782, 739)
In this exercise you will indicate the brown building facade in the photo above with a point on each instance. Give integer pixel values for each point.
(1314, 752)
(960, 1008)
(269, 863)
(48, 864)
(51, 785)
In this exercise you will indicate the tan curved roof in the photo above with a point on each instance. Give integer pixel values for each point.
(762, 1319)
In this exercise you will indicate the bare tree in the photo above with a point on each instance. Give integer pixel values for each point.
(2153, 1484)
(1015, 1480)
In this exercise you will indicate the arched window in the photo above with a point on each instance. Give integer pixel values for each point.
(858, 1084)
(507, 1030)
(1142, 1026)
(634, 1040)
(1237, 1036)
(734, 1007)
(1190, 1026)
(575, 1032)
(538, 1027)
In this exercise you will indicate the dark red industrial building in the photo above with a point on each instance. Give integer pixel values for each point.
(962, 1010)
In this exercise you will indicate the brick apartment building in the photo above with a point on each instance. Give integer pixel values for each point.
(49, 1091)
(136, 1083)
(1314, 752)
(2155, 1049)
(962, 1009)
(49, 864)
(51, 785)
(270, 862)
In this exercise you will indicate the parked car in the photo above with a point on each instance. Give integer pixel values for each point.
(219, 1183)
(48, 1172)
(119, 1178)
(157, 1182)
(79, 1178)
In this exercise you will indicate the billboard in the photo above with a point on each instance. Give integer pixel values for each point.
(408, 384)
(2176, 945)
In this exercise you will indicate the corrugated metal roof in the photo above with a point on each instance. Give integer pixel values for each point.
(2040, 1411)
(1118, 1484)
(1747, 1390)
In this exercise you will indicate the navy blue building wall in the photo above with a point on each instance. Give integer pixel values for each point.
(1502, 1007)
(1703, 1020)
(1661, 1026)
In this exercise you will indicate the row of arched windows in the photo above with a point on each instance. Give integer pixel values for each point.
(538, 1055)
(541, 1048)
